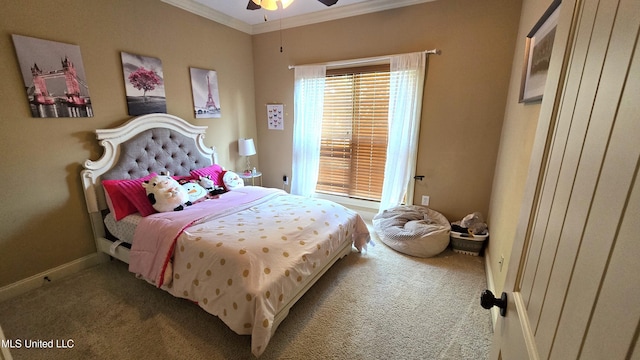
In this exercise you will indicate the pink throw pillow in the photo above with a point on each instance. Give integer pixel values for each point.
(137, 195)
(117, 202)
(183, 178)
(215, 172)
(121, 202)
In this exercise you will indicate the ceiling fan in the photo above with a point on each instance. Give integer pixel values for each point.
(272, 4)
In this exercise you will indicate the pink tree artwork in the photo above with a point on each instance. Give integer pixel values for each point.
(144, 84)
(145, 80)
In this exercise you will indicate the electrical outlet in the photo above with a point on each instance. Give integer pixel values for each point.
(285, 179)
(425, 200)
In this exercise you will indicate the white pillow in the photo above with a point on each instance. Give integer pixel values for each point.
(232, 181)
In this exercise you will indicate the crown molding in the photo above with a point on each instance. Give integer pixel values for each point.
(334, 14)
(208, 13)
(329, 14)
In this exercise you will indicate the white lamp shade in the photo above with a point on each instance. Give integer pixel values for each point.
(246, 147)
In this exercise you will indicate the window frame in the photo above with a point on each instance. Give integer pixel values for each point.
(355, 198)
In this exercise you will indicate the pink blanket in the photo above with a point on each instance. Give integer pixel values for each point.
(156, 235)
(247, 256)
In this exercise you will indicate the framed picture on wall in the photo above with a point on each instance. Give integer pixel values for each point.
(144, 84)
(54, 78)
(537, 54)
(206, 96)
(275, 116)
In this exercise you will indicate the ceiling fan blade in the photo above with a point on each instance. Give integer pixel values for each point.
(253, 6)
(328, 2)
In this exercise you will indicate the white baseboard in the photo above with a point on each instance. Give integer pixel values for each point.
(57, 273)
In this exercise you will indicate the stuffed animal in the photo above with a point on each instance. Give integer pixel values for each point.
(474, 223)
(232, 180)
(210, 186)
(166, 194)
(196, 191)
(206, 182)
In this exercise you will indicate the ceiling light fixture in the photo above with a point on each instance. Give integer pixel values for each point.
(278, 4)
(272, 4)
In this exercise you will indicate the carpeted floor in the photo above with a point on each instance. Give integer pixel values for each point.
(377, 305)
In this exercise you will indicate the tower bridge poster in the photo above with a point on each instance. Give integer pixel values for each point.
(54, 78)
(206, 97)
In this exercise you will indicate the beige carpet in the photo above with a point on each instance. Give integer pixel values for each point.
(376, 305)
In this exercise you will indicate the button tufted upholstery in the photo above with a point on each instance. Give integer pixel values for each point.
(157, 150)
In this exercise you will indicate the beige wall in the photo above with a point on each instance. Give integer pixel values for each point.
(463, 108)
(43, 218)
(516, 142)
(465, 89)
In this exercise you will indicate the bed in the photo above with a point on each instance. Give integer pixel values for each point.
(246, 256)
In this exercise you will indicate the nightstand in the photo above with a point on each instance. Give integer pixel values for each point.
(252, 176)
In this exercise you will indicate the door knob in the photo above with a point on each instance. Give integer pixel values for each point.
(487, 301)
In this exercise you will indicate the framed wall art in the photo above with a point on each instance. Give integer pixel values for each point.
(144, 84)
(54, 78)
(538, 46)
(275, 116)
(206, 97)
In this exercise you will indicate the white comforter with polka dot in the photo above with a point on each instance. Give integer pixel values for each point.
(248, 258)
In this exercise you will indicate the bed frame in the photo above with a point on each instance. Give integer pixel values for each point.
(118, 162)
(115, 156)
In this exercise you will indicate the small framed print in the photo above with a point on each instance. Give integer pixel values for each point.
(275, 116)
(538, 46)
(206, 95)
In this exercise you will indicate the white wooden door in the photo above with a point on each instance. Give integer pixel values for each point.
(573, 283)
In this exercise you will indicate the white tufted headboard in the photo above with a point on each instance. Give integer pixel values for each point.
(145, 144)
(159, 150)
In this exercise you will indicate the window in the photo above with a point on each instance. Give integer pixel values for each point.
(354, 132)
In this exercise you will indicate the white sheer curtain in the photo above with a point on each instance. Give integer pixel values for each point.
(405, 105)
(307, 128)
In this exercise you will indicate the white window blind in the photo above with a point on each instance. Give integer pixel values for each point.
(354, 132)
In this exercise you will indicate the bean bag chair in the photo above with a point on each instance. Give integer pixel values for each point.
(413, 230)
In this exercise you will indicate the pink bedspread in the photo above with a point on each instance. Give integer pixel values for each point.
(245, 256)
(156, 235)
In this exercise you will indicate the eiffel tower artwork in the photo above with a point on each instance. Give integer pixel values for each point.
(211, 104)
(205, 93)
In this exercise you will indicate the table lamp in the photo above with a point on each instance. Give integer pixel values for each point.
(246, 147)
